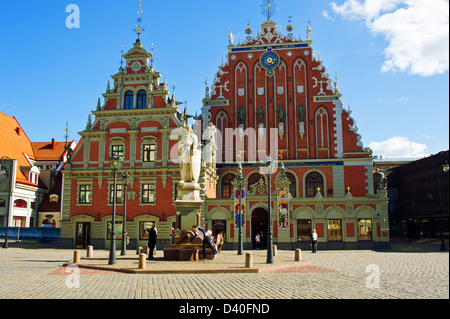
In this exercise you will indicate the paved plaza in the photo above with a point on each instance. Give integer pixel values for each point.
(396, 274)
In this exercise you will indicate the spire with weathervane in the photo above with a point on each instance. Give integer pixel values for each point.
(139, 29)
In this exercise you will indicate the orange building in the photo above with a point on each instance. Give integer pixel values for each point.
(28, 171)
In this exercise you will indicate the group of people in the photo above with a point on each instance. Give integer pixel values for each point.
(215, 244)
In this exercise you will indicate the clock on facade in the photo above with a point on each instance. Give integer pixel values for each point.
(269, 61)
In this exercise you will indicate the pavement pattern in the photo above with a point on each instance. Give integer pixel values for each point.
(39, 274)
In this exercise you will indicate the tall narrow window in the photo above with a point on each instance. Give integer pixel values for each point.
(314, 182)
(227, 186)
(85, 194)
(129, 96)
(142, 99)
(148, 193)
(119, 196)
(321, 128)
(149, 153)
(293, 185)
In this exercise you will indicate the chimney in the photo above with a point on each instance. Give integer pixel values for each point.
(53, 144)
(19, 131)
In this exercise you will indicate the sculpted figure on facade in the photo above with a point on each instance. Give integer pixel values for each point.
(210, 148)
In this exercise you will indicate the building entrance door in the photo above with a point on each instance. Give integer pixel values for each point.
(259, 225)
(83, 235)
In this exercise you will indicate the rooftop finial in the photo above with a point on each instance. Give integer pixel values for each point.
(121, 57)
(268, 9)
(139, 29)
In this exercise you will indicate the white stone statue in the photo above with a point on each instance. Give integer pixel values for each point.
(189, 156)
(209, 151)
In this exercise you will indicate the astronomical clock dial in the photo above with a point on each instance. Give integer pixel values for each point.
(269, 61)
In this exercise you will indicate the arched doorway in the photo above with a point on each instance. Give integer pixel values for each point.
(259, 225)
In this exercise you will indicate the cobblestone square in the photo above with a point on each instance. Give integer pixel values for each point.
(39, 274)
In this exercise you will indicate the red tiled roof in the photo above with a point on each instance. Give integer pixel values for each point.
(48, 151)
(14, 143)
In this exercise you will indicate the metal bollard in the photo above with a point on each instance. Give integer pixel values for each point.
(90, 252)
(248, 260)
(142, 259)
(298, 255)
(275, 250)
(76, 257)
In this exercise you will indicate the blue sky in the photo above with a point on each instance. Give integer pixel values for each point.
(392, 67)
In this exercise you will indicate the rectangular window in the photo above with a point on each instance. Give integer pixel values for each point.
(303, 230)
(119, 195)
(143, 226)
(117, 150)
(149, 153)
(19, 221)
(365, 229)
(118, 230)
(334, 230)
(148, 193)
(85, 194)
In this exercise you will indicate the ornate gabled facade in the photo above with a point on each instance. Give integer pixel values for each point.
(136, 122)
(273, 96)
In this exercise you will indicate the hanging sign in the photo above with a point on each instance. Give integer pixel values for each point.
(242, 196)
(283, 207)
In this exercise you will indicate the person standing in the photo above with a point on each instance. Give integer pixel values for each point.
(206, 240)
(219, 241)
(314, 238)
(152, 234)
(258, 241)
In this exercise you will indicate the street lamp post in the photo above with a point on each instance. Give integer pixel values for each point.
(125, 180)
(270, 237)
(442, 163)
(114, 160)
(7, 161)
(240, 180)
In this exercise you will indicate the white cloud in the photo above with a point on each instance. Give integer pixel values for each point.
(398, 147)
(396, 100)
(326, 15)
(417, 32)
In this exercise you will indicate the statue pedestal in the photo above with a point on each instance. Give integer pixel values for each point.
(188, 192)
(188, 205)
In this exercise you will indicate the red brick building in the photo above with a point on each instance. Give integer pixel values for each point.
(271, 97)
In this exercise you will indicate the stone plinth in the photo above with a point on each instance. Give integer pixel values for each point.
(182, 250)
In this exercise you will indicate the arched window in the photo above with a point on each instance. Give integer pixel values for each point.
(293, 185)
(227, 186)
(20, 203)
(314, 181)
(253, 179)
(129, 96)
(322, 128)
(142, 99)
